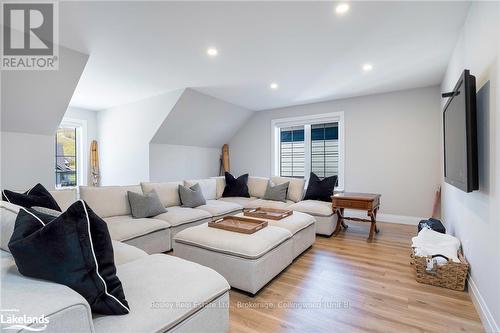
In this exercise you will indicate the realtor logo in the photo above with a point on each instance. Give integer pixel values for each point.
(29, 36)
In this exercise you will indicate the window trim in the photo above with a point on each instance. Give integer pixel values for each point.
(309, 120)
(81, 148)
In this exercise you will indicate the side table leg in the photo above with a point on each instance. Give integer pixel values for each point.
(343, 220)
(373, 227)
(340, 221)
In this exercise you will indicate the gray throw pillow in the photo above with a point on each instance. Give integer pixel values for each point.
(191, 196)
(276, 192)
(145, 205)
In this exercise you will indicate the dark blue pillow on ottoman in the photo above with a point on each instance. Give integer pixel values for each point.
(73, 249)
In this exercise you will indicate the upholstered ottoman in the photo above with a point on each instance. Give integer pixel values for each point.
(302, 226)
(248, 262)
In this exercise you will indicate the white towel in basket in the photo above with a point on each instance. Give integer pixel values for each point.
(430, 242)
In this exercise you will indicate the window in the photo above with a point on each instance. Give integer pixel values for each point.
(66, 157)
(71, 162)
(292, 152)
(325, 149)
(311, 143)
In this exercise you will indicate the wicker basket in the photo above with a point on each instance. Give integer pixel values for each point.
(452, 275)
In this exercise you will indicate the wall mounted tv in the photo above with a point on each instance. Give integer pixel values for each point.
(460, 135)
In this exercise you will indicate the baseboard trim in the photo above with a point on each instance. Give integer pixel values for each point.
(487, 319)
(390, 218)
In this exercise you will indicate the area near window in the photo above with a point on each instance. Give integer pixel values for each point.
(66, 159)
(312, 143)
(69, 157)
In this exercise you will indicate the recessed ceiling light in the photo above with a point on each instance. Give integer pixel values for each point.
(367, 67)
(342, 8)
(274, 86)
(212, 51)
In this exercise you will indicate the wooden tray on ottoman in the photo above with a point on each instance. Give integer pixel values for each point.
(238, 224)
(268, 213)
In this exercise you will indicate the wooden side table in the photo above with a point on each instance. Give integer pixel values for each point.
(362, 201)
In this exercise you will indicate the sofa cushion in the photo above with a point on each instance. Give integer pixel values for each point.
(176, 216)
(250, 246)
(123, 228)
(257, 186)
(313, 207)
(77, 252)
(108, 201)
(221, 184)
(293, 223)
(8, 215)
(242, 201)
(208, 187)
(145, 205)
(320, 189)
(219, 207)
(155, 285)
(295, 189)
(269, 204)
(276, 192)
(168, 192)
(47, 211)
(68, 310)
(191, 196)
(35, 196)
(236, 187)
(64, 197)
(125, 253)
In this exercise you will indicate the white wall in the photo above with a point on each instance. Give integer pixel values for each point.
(89, 119)
(124, 136)
(27, 159)
(475, 217)
(174, 162)
(188, 143)
(32, 106)
(201, 120)
(392, 144)
(35, 101)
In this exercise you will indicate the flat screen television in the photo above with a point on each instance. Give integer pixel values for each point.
(460, 135)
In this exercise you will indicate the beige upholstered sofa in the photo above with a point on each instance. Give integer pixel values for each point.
(155, 235)
(326, 220)
(165, 293)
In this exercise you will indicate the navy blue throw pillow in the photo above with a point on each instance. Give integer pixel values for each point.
(73, 249)
(236, 187)
(36, 196)
(320, 189)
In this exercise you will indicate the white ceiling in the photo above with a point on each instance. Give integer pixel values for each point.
(140, 49)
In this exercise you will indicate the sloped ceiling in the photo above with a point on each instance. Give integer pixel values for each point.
(201, 120)
(35, 101)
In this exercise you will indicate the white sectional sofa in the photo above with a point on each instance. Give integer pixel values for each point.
(155, 235)
(165, 293)
(326, 220)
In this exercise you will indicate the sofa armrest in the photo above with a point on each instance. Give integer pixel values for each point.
(66, 310)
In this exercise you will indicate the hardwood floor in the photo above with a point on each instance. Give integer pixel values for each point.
(344, 284)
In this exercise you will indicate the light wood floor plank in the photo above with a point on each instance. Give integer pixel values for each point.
(344, 284)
